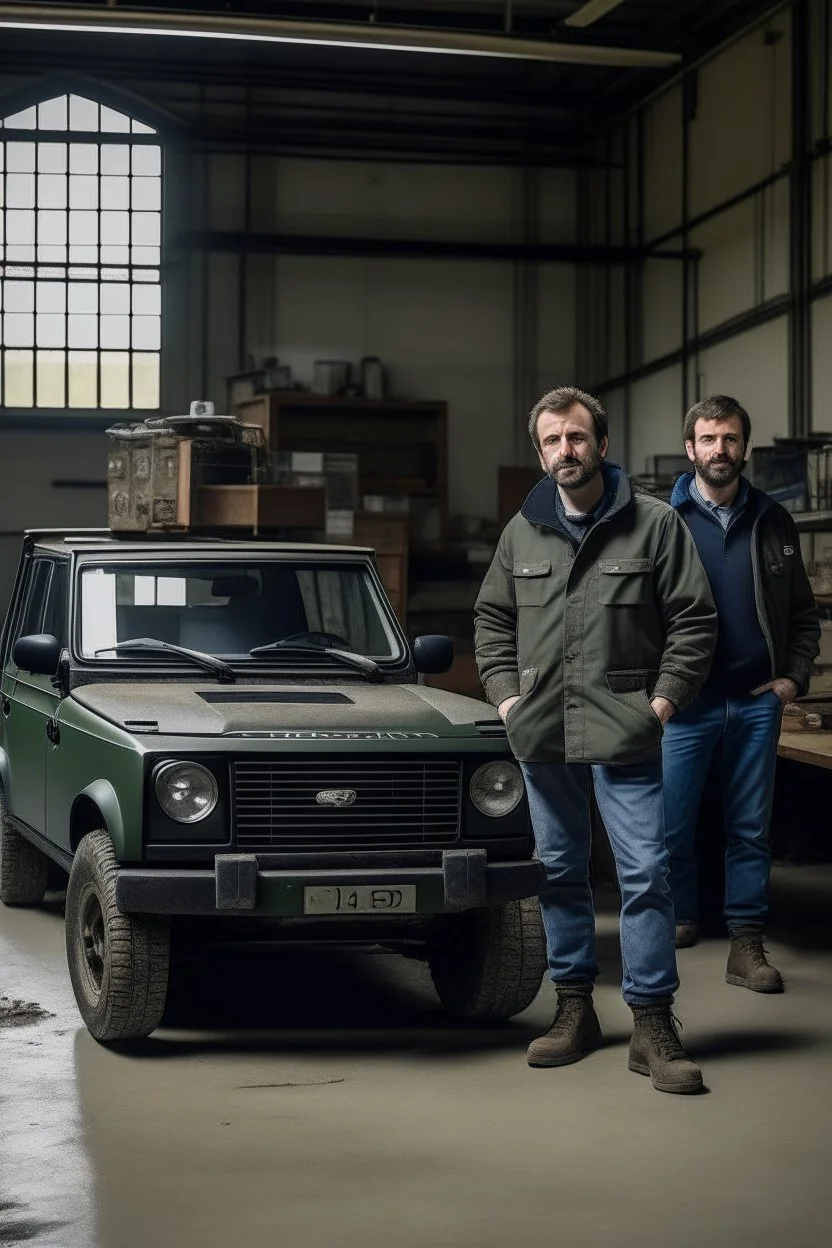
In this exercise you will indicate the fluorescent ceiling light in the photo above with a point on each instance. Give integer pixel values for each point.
(591, 12)
(264, 30)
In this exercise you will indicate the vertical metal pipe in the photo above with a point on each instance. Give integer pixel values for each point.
(206, 263)
(800, 228)
(242, 262)
(688, 90)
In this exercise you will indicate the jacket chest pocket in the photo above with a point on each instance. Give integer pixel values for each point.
(624, 582)
(532, 582)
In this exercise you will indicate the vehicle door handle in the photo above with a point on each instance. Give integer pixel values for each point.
(7, 708)
(53, 732)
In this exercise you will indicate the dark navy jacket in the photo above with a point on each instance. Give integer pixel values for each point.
(768, 621)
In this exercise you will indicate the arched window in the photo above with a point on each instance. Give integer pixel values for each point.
(80, 239)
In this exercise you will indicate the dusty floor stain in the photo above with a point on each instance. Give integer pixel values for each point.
(15, 1013)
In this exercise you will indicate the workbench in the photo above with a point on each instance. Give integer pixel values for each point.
(814, 748)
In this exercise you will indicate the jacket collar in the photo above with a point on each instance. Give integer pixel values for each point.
(539, 507)
(681, 499)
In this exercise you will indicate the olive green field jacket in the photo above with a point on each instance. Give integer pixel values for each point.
(587, 637)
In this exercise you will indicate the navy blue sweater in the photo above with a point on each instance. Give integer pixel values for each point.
(742, 659)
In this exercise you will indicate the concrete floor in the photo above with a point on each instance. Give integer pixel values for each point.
(309, 1098)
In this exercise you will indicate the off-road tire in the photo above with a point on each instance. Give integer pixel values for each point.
(24, 870)
(488, 963)
(118, 963)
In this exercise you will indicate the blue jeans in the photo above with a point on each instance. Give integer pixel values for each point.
(739, 735)
(630, 801)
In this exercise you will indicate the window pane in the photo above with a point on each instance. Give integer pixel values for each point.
(51, 190)
(115, 379)
(146, 229)
(144, 275)
(50, 330)
(115, 298)
(147, 300)
(51, 378)
(83, 228)
(19, 296)
(115, 275)
(83, 158)
(20, 158)
(83, 379)
(115, 158)
(83, 113)
(82, 297)
(83, 190)
(145, 381)
(51, 297)
(146, 333)
(115, 332)
(52, 157)
(83, 331)
(20, 235)
(26, 120)
(140, 128)
(115, 228)
(115, 192)
(147, 194)
(83, 255)
(113, 122)
(148, 256)
(20, 379)
(52, 114)
(20, 190)
(147, 161)
(18, 329)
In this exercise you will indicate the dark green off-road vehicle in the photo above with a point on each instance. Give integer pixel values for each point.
(210, 727)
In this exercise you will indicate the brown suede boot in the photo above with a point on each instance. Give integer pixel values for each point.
(687, 934)
(656, 1050)
(747, 965)
(574, 1033)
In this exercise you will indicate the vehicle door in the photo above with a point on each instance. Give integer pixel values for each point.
(30, 702)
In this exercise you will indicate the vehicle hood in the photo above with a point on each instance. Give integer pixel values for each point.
(175, 709)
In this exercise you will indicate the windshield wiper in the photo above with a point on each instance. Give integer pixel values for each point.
(368, 667)
(208, 662)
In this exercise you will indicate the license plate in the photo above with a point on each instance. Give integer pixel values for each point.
(361, 899)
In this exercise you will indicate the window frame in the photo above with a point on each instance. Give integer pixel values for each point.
(36, 270)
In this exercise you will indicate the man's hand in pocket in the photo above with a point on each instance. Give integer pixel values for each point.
(506, 705)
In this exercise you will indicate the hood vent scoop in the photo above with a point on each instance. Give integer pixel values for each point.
(141, 725)
(491, 728)
(258, 697)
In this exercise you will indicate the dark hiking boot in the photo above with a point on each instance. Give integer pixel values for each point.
(574, 1033)
(687, 934)
(747, 965)
(656, 1050)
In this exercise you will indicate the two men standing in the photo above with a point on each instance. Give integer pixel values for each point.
(595, 627)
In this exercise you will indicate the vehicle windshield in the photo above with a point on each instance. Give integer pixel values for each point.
(228, 609)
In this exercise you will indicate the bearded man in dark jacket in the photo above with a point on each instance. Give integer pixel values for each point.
(593, 626)
(768, 640)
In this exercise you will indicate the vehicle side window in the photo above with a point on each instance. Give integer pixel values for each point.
(31, 618)
(54, 619)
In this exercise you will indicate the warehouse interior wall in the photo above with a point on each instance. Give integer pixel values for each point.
(485, 335)
(729, 164)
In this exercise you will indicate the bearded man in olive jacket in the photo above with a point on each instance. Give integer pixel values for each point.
(594, 625)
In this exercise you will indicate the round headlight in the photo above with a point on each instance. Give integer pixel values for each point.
(187, 792)
(496, 788)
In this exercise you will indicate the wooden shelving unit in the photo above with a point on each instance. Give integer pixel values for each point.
(401, 448)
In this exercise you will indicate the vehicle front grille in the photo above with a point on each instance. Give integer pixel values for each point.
(404, 803)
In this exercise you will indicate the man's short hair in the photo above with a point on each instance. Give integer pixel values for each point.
(717, 407)
(561, 400)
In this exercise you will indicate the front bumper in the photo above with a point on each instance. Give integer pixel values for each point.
(237, 884)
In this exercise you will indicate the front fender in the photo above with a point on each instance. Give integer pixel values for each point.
(102, 793)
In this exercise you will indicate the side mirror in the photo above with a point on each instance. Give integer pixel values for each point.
(433, 653)
(39, 653)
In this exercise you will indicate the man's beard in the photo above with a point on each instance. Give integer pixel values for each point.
(718, 474)
(579, 471)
